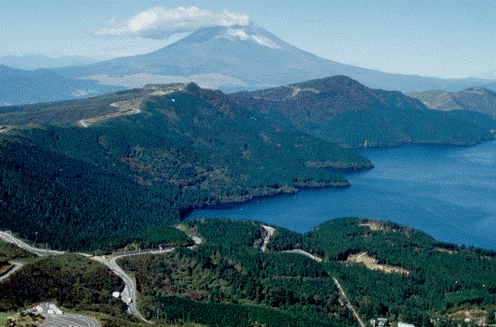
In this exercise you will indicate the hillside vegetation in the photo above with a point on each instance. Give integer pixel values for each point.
(229, 281)
(71, 280)
(341, 110)
(475, 98)
(433, 281)
(98, 187)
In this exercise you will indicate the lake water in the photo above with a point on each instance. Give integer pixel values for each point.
(447, 192)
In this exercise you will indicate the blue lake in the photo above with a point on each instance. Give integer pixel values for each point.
(447, 192)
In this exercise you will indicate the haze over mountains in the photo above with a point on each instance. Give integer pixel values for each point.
(475, 98)
(19, 86)
(231, 59)
(244, 58)
(37, 61)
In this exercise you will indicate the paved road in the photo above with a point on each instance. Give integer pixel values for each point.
(348, 303)
(128, 281)
(17, 266)
(65, 320)
(124, 110)
(305, 253)
(111, 263)
(14, 240)
(271, 230)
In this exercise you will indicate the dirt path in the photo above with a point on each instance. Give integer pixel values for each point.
(373, 264)
(305, 253)
(348, 303)
(124, 108)
(270, 232)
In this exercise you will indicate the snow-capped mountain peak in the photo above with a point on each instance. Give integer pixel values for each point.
(242, 34)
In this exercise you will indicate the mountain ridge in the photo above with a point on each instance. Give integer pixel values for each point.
(18, 86)
(478, 99)
(251, 56)
(342, 110)
(186, 147)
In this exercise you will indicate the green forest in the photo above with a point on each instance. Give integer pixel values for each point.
(100, 187)
(341, 110)
(125, 181)
(229, 276)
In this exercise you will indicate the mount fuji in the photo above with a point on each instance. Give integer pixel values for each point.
(244, 58)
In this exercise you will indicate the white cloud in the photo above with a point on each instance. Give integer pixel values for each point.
(160, 23)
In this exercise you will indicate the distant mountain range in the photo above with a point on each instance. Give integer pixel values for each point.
(238, 58)
(245, 58)
(37, 61)
(19, 86)
(341, 110)
(475, 98)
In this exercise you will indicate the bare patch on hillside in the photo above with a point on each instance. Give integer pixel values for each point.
(372, 264)
(373, 225)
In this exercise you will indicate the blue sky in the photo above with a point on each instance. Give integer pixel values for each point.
(430, 38)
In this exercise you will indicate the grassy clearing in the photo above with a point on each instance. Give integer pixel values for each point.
(373, 264)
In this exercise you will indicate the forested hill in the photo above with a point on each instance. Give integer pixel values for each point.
(406, 275)
(475, 98)
(341, 110)
(95, 173)
(385, 269)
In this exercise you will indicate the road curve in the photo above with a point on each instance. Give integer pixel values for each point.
(17, 266)
(7, 237)
(305, 253)
(123, 110)
(128, 281)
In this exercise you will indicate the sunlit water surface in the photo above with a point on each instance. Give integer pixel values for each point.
(448, 192)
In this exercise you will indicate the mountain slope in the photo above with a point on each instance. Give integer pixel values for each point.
(183, 147)
(22, 87)
(37, 61)
(341, 110)
(476, 99)
(243, 58)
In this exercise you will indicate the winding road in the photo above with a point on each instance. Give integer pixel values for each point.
(9, 238)
(130, 288)
(17, 266)
(64, 320)
(270, 232)
(124, 109)
(128, 281)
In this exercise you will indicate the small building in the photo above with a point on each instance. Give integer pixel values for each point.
(380, 322)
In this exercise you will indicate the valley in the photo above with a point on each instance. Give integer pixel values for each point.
(228, 279)
(109, 177)
(221, 179)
